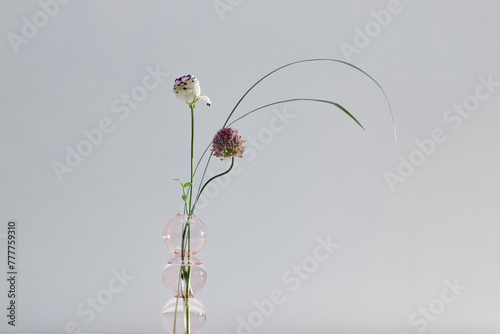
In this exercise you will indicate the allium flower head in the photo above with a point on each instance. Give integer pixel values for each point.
(227, 143)
(187, 89)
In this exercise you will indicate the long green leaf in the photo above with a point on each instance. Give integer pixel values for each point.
(311, 60)
(298, 62)
(265, 106)
(290, 64)
(292, 100)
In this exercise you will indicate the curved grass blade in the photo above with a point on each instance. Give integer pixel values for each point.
(262, 107)
(271, 104)
(311, 60)
(298, 62)
(290, 64)
(292, 100)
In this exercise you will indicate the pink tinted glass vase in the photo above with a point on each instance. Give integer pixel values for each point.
(184, 275)
(174, 229)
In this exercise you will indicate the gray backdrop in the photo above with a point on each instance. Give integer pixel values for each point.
(321, 228)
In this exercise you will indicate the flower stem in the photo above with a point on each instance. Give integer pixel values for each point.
(185, 270)
(184, 290)
(204, 171)
(188, 278)
(191, 106)
(213, 178)
(190, 214)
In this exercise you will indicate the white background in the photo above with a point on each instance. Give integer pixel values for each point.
(319, 176)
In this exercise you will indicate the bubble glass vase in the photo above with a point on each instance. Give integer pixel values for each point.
(184, 275)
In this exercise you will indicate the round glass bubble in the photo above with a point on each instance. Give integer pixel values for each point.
(189, 230)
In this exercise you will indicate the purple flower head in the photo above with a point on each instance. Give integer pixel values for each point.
(227, 143)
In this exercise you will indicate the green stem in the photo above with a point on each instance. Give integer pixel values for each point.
(185, 275)
(188, 280)
(213, 178)
(201, 158)
(204, 172)
(187, 324)
(190, 211)
(180, 291)
(177, 299)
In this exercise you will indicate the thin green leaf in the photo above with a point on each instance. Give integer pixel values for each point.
(290, 64)
(187, 184)
(312, 60)
(206, 166)
(292, 100)
(203, 154)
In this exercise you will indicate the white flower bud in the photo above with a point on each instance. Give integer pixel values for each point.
(187, 89)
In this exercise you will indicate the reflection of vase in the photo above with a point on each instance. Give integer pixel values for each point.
(184, 275)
